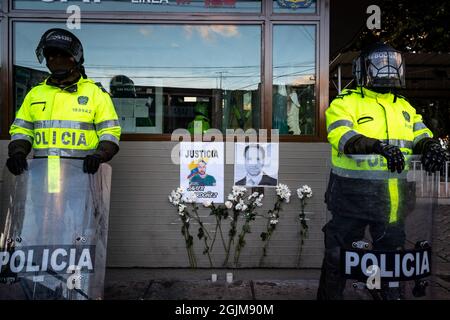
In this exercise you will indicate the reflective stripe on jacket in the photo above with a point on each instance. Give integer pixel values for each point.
(69, 123)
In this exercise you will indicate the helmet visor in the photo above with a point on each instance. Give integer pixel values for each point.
(40, 52)
(63, 42)
(385, 69)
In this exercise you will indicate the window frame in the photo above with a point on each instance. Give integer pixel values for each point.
(266, 19)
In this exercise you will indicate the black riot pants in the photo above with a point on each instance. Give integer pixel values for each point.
(342, 231)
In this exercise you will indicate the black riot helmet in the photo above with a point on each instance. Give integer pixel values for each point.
(62, 40)
(122, 87)
(379, 66)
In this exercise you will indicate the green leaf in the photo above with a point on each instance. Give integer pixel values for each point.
(200, 233)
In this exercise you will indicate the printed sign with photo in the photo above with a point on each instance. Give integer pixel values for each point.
(256, 164)
(202, 170)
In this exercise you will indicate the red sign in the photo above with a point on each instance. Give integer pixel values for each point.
(220, 3)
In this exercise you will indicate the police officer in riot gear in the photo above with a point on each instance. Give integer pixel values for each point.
(371, 119)
(68, 115)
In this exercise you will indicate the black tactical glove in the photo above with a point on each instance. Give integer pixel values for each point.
(393, 155)
(17, 152)
(17, 163)
(92, 163)
(433, 157)
(105, 151)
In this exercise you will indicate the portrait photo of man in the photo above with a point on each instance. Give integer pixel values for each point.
(254, 157)
(199, 177)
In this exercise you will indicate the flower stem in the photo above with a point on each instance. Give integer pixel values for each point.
(207, 250)
(223, 239)
(232, 234)
(190, 252)
(276, 210)
(205, 232)
(303, 231)
(240, 244)
(215, 234)
(261, 261)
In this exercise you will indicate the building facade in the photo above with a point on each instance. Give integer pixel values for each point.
(258, 64)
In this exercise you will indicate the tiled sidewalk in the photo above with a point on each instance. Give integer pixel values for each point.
(180, 284)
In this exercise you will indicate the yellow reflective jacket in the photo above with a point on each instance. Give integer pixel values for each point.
(375, 116)
(67, 122)
(354, 186)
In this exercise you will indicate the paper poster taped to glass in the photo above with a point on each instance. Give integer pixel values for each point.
(256, 164)
(202, 170)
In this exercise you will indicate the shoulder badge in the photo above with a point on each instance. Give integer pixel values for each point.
(83, 100)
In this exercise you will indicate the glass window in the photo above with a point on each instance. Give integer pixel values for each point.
(147, 5)
(294, 6)
(1, 67)
(294, 79)
(162, 77)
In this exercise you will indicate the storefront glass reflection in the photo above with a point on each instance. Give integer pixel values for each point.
(294, 79)
(1, 68)
(294, 6)
(169, 6)
(161, 77)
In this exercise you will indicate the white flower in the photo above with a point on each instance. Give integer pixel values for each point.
(181, 213)
(180, 190)
(190, 198)
(231, 197)
(207, 203)
(181, 208)
(175, 197)
(258, 203)
(241, 205)
(229, 204)
(304, 191)
(274, 221)
(238, 191)
(253, 195)
(283, 192)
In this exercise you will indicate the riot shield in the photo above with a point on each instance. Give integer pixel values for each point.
(392, 256)
(53, 231)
